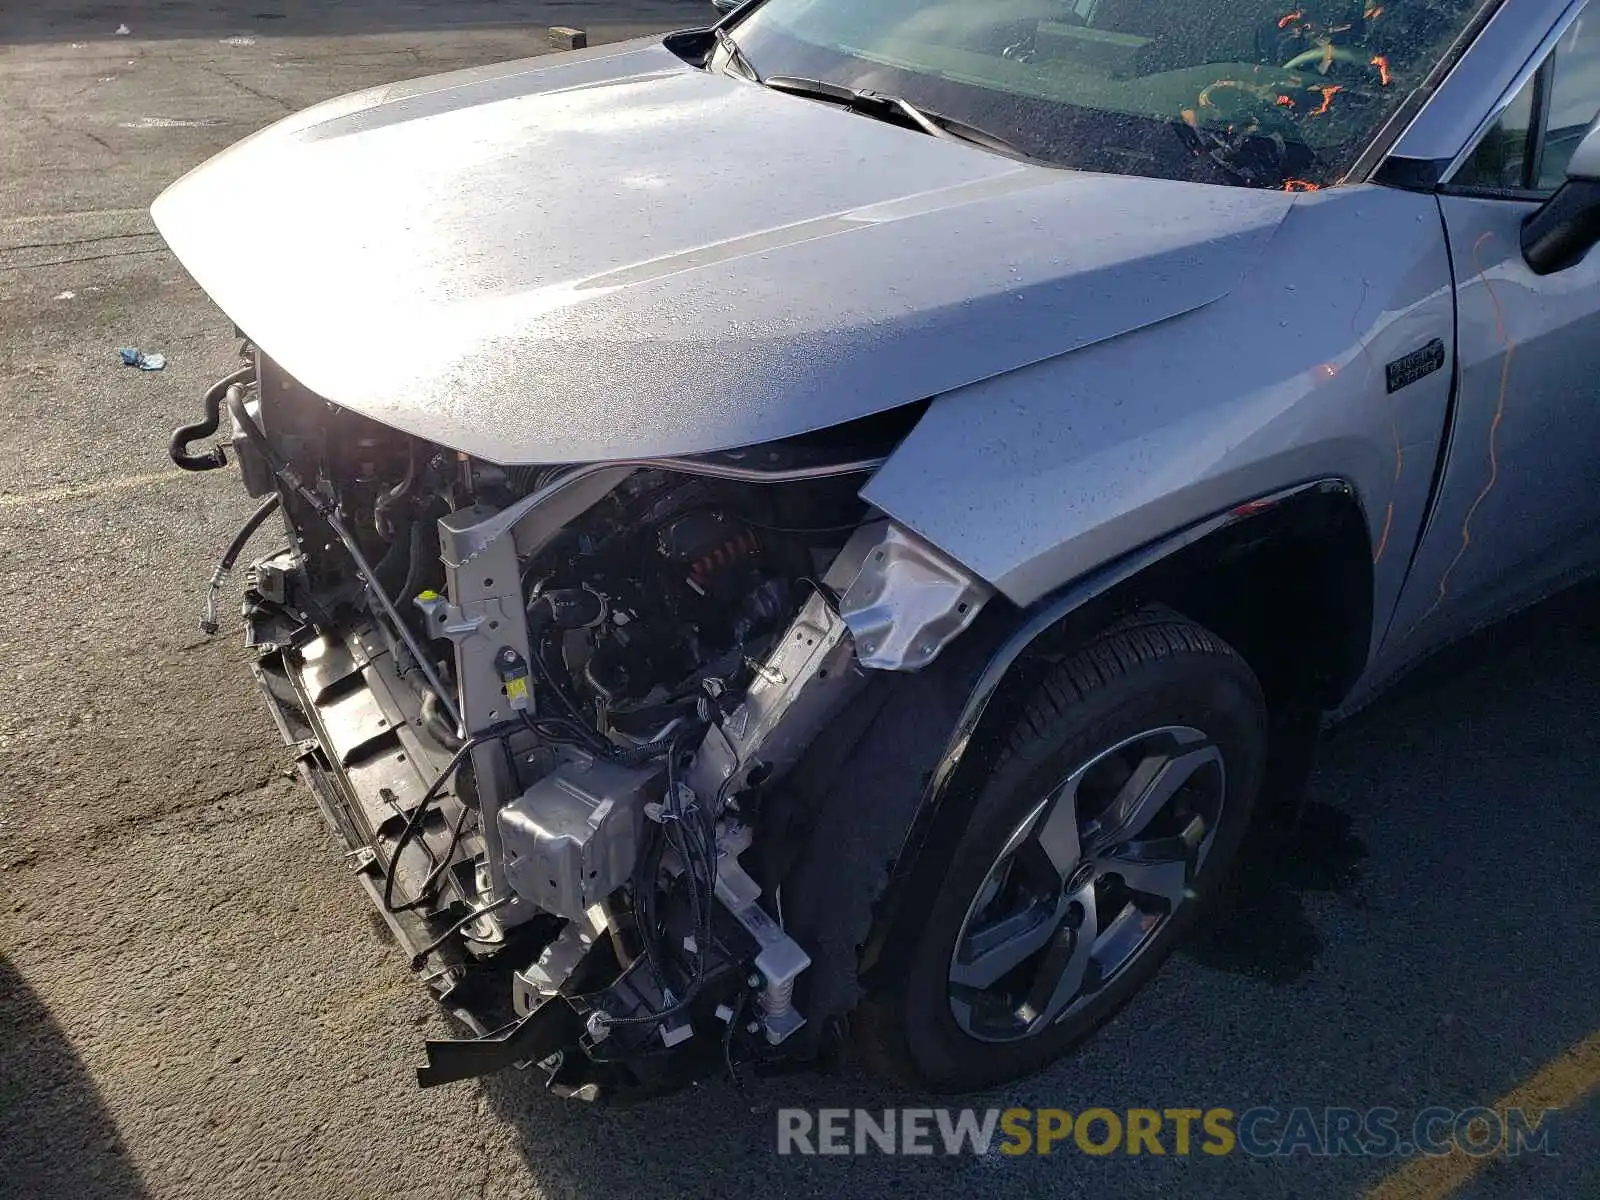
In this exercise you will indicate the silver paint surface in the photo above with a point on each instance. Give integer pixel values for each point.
(1516, 511)
(612, 253)
(1036, 477)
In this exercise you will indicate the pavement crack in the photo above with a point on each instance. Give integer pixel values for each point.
(58, 127)
(83, 241)
(246, 88)
(62, 262)
(74, 844)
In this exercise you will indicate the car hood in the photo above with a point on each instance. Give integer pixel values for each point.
(615, 254)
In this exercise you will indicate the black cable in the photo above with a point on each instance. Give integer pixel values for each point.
(798, 532)
(563, 699)
(230, 556)
(644, 893)
(576, 730)
(590, 997)
(687, 825)
(420, 958)
(727, 1041)
(420, 812)
(449, 853)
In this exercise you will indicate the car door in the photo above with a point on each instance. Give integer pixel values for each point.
(1517, 509)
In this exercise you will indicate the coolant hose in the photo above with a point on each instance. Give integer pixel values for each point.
(178, 447)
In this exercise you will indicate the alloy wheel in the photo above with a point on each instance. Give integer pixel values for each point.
(1086, 882)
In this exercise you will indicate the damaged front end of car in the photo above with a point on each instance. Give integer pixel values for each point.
(542, 705)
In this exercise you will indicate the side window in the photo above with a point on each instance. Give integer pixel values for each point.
(1574, 98)
(1527, 149)
(1501, 160)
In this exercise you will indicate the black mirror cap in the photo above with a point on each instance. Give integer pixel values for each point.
(1564, 229)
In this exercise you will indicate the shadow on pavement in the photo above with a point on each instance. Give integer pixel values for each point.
(67, 21)
(1261, 928)
(1264, 931)
(57, 1141)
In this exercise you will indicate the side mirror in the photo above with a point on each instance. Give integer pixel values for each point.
(1561, 232)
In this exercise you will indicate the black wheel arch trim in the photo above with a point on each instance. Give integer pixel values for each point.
(939, 819)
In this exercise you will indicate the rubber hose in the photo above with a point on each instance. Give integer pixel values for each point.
(178, 447)
(236, 547)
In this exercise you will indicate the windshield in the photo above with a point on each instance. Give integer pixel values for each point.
(1260, 93)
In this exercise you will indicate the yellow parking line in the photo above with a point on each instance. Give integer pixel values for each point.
(1561, 1083)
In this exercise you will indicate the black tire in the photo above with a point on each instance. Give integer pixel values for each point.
(1153, 669)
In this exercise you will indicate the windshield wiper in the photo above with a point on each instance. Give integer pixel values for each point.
(878, 104)
(735, 54)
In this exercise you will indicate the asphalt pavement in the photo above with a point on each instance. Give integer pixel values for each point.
(194, 1000)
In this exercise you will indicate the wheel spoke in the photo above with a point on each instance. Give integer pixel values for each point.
(1153, 783)
(1120, 940)
(988, 952)
(1167, 880)
(1063, 970)
(1160, 868)
(1057, 834)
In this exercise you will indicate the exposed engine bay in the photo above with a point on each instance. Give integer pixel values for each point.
(542, 706)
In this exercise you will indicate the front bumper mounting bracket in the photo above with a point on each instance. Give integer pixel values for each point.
(552, 1027)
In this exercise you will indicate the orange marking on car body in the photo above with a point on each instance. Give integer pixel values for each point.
(1383, 538)
(1328, 92)
(1494, 431)
(1382, 63)
(1289, 19)
(1301, 185)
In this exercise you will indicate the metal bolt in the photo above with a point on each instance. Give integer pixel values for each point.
(753, 979)
(753, 1027)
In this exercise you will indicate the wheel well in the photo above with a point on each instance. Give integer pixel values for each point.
(1290, 589)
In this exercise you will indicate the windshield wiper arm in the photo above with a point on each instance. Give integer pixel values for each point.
(871, 103)
(735, 54)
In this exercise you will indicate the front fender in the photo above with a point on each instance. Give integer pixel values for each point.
(1034, 478)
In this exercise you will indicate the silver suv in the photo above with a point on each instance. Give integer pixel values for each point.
(829, 529)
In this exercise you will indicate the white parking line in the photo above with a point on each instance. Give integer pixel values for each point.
(125, 483)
